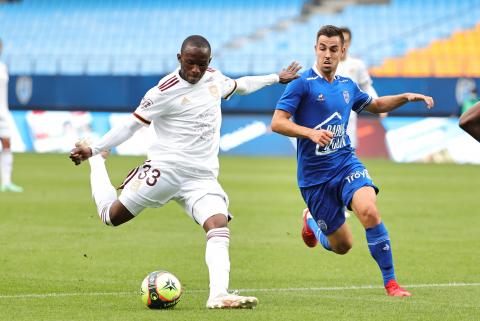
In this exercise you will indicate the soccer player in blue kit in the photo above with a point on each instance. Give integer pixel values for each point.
(315, 108)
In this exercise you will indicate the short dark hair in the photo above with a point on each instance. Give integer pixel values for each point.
(196, 41)
(331, 31)
(347, 31)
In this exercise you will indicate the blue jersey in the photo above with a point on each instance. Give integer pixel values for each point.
(315, 103)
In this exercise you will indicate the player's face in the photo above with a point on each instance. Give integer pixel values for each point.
(329, 50)
(194, 62)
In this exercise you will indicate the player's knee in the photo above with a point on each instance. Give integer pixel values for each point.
(116, 215)
(369, 215)
(343, 248)
(215, 221)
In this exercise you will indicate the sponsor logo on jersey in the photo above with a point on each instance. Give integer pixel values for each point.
(346, 96)
(339, 137)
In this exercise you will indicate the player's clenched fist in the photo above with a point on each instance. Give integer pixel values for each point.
(79, 154)
(321, 136)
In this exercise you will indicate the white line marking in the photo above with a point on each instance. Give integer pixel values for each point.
(334, 288)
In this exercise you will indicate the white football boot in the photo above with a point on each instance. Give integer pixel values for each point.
(232, 301)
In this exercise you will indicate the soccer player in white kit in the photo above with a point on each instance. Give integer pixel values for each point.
(184, 109)
(6, 156)
(356, 70)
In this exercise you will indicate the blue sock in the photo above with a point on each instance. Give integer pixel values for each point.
(318, 233)
(379, 245)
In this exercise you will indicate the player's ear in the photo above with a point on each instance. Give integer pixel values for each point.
(179, 57)
(209, 60)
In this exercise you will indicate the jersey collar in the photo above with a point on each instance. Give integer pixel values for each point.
(315, 70)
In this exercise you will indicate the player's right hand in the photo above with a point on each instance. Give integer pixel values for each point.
(79, 154)
(321, 137)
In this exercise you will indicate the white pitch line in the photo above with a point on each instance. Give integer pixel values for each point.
(335, 288)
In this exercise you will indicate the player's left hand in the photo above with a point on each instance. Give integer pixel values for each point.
(419, 97)
(290, 73)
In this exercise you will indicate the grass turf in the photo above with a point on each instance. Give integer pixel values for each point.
(58, 262)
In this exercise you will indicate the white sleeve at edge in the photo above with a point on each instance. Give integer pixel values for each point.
(370, 90)
(116, 136)
(250, 84)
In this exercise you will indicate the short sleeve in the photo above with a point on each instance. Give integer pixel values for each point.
(151, 106)
(227, 85)
(361, 99)
(292, 96)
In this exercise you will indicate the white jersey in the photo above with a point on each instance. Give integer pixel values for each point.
(186, 119)
(356, 70)
(3, 89)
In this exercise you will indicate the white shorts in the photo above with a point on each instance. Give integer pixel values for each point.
(4, 124)
(149, 187)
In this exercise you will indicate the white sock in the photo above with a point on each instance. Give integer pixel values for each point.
(218, 261)
(6, 163)
(103, 193)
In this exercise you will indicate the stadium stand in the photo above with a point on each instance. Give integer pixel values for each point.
(128, 37)
(380, 31)
(123, 36)
(454, 56)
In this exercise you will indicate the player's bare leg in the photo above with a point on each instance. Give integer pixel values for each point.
(218, 262)
(364, 206)
(339, 242)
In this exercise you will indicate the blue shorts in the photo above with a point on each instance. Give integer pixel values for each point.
(327, 201)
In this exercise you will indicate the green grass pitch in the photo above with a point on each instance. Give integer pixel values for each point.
(58, 262)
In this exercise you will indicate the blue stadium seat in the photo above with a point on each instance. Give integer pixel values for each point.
(99, 33)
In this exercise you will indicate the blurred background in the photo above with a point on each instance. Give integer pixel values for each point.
(78, 67)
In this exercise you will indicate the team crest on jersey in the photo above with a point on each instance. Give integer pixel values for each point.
(321, 98)
(346, 96)
(146, 102)
(214, 91)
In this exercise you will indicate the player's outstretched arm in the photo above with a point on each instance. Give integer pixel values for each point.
(114, 137)
(282, 124)
(249, 84)
(386, 104)
(470, 121)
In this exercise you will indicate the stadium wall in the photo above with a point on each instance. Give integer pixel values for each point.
(123, 93)
(403, 139)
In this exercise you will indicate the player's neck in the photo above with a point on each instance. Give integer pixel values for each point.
(328, 76)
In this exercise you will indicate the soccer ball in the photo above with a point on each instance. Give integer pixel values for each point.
(161, 290)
